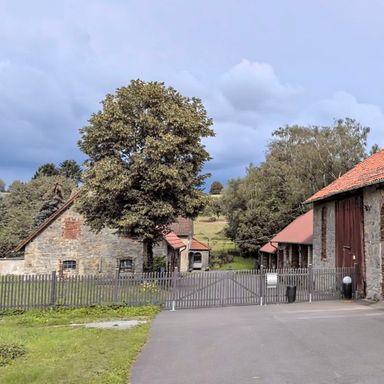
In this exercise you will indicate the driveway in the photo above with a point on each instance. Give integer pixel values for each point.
(326, 342)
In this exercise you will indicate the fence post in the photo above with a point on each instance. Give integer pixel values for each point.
(116, 286)
(310, 282)
(262, 278)
(53, 289)
(174, 282)
(354, 279)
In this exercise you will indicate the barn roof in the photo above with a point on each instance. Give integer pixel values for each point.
(197, 245)
(368, 172)
(300, 231)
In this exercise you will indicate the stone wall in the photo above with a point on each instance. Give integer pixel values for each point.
(69, 238)
(329, 261)
(184, 256)
(14, 266)
(373, 201)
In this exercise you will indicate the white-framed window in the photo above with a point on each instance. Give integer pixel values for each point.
(126, 265)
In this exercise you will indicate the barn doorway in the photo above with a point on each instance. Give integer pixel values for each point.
(349, 220)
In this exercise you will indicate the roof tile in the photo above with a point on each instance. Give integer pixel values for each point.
(368, 172)
(300, 231)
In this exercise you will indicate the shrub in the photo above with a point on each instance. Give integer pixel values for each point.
(9, 352)
(159, 263)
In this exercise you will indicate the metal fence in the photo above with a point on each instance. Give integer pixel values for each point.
(172, 290)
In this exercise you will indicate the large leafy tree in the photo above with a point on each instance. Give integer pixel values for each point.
(299, 161)
(216, 188)
(145, 159)
(2, 185)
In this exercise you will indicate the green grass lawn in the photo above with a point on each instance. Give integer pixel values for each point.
(239, 263)
(59, 353)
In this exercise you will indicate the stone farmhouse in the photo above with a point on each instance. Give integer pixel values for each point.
(65, 244)
(349, 224)
(292, 247)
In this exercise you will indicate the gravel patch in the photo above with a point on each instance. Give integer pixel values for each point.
(115, 324)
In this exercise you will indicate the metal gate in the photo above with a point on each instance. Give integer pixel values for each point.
(255, 287)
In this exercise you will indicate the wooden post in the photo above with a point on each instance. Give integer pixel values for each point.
(310, 282)
(262, 282)
(53, 289)
(174, 283)
(116, 286)
(300, 257)
(355, 277)
(310, 261)
(285, 262)
(290, 256)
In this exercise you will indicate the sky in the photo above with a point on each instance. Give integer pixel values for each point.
(257, 65)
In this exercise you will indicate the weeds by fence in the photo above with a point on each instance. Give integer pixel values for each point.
(167, 289)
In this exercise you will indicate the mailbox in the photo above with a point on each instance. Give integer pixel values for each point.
(272, 280)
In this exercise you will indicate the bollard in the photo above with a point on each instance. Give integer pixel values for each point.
(347, 287)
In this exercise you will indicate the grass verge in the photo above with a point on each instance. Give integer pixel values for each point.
(59, 353)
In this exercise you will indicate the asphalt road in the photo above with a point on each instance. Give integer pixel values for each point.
(327, 342)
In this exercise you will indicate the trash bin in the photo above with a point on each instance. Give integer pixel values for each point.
(347, 287)
(291, 293)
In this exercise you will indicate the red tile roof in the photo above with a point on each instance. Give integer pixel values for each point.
(300, 231)
(197, 245)
(269, 248)
(368, 172)
(173, 240)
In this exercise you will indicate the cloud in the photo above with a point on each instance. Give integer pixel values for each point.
(254, 86)
(343, 104)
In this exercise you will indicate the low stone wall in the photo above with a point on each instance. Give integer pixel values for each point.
(14, 266)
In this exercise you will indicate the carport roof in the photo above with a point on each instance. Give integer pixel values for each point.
(197, 245)
(300, 231)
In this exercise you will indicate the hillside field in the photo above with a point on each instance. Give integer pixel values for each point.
(212, 233)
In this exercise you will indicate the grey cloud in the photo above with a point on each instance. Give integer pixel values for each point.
(343, 104)
(253, 86)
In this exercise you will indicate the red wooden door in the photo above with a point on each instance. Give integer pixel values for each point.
(349, 222)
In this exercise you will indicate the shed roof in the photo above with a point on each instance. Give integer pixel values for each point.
(368, 172)
(173, 240)
(300, 231)
(197, 245)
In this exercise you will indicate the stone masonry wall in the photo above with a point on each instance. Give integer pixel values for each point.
(69, 238)
(373, 201)
(14, 266)
(330, 260)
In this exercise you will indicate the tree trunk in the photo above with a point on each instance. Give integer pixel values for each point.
(148, 254)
